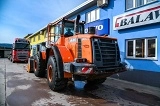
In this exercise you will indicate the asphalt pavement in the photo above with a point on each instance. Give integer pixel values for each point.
(2, 82)
(19, 88)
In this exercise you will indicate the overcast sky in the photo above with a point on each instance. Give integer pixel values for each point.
(21, 17)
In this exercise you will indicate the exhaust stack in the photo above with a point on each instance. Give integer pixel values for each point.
(76, 24)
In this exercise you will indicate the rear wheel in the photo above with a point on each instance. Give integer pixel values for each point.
(55, 83)
(39, 67)
(30, 65)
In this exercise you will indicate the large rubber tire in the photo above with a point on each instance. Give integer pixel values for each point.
(55, 83)
(96, 81)
(39, 67)
(30, 65)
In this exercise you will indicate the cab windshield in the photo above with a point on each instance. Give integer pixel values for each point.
(69, 28)
(21, 46)
(67, 31)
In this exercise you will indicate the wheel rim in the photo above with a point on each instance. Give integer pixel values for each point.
(35, 65)
(28, 70)
(50, 73)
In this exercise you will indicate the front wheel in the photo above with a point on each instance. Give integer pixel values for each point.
(30, 65)
(55, 83)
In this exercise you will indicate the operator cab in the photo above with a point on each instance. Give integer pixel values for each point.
(69, 28)
(65, 28)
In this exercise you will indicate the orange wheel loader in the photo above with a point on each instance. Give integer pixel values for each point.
(75, 55)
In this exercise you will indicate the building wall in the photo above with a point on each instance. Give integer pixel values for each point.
(38, 38)
(117, 7)
(6, 53)
(146, 71)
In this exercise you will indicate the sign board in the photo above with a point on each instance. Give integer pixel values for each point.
(143, 16)
(102, 26)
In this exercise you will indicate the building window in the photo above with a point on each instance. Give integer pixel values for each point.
(151, 48)
(140, 48)
(39, 37)
(144, 48)
(136, 3)
(150, 1)
(129, 4)
(33, 39)
(130, 48)
(139, 3)
(45, 32)
(93, 15)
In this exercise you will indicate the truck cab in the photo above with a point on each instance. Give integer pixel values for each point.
(20, 50)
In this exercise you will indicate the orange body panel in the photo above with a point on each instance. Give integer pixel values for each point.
(66, 54)
(43, 55)
(87, 50)
(86, 46)
(71, 46)
(68, 46)
(93, 35)
(60, 41)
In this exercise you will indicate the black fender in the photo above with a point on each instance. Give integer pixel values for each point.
(59, 61)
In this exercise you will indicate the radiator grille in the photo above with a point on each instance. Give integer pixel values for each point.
(105, 53)
(22, 55)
